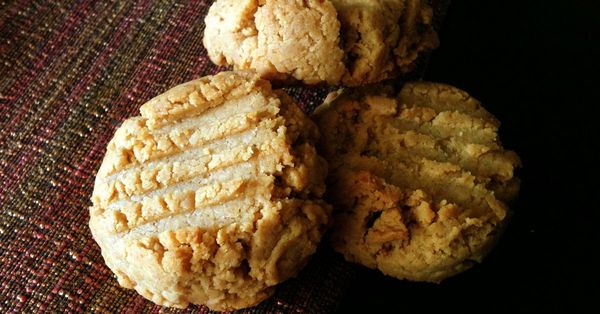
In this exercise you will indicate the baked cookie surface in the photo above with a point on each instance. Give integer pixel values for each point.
(348, 42)
(277, 38)
(419, 182)
(383, 38)
(212, 195)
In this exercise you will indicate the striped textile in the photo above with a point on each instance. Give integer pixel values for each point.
(70, 72)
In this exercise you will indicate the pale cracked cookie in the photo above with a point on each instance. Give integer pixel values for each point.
(419, 182)
(347, 42)
(212, 195)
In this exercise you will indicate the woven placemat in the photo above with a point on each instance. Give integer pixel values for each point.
(70, 73)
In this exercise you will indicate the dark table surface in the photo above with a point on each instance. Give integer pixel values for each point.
(533, 64)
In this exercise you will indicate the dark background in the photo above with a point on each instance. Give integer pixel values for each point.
(533, 64)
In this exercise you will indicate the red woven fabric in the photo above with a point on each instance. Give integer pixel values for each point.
(71, 72)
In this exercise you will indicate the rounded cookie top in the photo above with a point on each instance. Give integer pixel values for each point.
(348, 42)
(277, 38)
(212, 195)
(419, 181)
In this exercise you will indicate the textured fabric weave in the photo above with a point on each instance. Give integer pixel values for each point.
(70, 73)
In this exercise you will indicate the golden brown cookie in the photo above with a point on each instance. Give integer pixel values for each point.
(383, 38)
(348, 42)
(277, 38)
(212, 195)
(419, 181)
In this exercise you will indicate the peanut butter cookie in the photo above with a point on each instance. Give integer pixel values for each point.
(348, 42)
(212, 195)
(419, 181)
